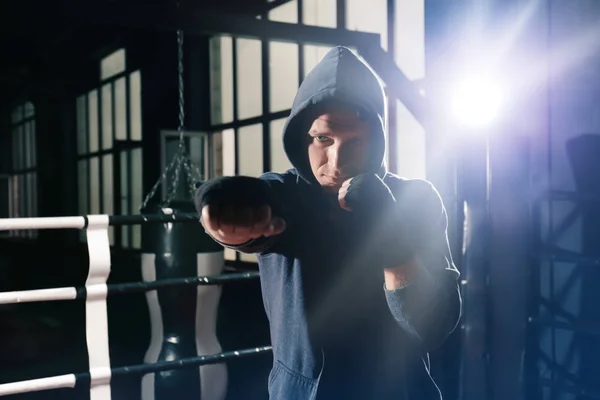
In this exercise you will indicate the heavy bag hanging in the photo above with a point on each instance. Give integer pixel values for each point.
(183, 319)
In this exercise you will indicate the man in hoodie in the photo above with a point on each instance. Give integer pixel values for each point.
(357, 278)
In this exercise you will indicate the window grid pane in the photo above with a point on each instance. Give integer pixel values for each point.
(93, 121)
(15, 148)
(249, 78)
(22, 148)
(228, 152)
(410, 145)
(94, 174)
(136, 193)
(319, 13)
(82, 132)
(124, 196)
(113, 64)
(120, 110)
(107, 116)
(82, 186)
(29, 110)
(221, 79)
(368, 16)
(287, 12)
(283, 75)
(107, 184)
(135, 105)
(27, 146)
(279, 160)
(250, 150)
(33, 145)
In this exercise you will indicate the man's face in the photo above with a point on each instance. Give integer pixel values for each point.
(338, 148)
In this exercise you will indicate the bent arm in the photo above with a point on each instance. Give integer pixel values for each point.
(423, 294)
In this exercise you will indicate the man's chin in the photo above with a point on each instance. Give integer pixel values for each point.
(331, 188)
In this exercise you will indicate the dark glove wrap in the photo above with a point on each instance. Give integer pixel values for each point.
(235, 191)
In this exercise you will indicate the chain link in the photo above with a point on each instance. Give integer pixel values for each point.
(181, 159)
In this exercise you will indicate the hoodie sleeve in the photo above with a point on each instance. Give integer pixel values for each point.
(429, 307)
(276, 186)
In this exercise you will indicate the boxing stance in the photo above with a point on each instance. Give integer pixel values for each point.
(357, 278)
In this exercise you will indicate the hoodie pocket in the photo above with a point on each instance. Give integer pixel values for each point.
(285, 384)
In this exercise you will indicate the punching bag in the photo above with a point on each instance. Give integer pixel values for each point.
(183, 319)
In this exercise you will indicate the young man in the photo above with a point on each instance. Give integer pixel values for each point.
(357, 278)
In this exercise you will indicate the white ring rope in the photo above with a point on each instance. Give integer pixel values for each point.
(96, 313)
(29, 296)
(10, 224)
(95, 293)
(35, 385)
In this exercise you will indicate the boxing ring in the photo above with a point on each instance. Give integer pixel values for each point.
(96, 290)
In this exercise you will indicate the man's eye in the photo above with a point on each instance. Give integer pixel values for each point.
(321, 138)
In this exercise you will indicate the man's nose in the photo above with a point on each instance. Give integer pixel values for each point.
(338, 158)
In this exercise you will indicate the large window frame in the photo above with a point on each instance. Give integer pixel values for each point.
(109, 146)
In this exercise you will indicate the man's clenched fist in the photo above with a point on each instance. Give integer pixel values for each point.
(236, 225)
(342, 195)
(365, 193)
(236, 209)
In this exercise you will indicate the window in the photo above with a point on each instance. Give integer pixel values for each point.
(283, 62)
(109, 141)
(409, 43)
(22, 177)
(368, 16)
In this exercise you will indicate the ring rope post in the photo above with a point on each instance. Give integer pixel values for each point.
(96, 316)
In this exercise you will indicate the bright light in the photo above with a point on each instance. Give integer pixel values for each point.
(477, 103)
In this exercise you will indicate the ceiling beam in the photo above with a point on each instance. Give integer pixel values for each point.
(199, 22)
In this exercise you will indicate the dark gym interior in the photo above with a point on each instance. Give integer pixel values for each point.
(94, 96)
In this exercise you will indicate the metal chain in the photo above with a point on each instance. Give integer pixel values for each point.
(181, 159)
(181, 146)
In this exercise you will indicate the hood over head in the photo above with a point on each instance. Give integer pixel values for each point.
(339, 78)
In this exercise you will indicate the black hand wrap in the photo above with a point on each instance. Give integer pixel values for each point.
(368, 194)
(387, 232)
(234, 191)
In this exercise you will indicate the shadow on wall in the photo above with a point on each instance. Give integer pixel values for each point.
(584, 155)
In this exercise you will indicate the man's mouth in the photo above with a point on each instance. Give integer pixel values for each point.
(336, 180)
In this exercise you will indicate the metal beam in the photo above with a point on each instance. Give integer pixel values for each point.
(398, 84)
(203, 23)
(200, 22)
